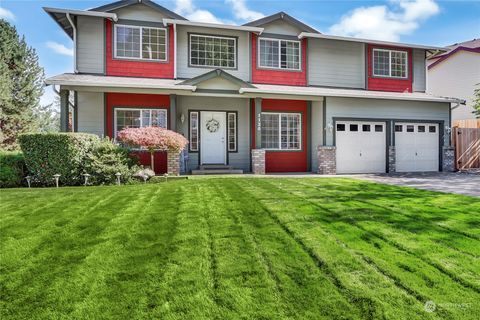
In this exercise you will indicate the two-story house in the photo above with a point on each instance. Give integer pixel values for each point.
(273, 94)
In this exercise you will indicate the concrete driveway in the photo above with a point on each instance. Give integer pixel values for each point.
(459, 183)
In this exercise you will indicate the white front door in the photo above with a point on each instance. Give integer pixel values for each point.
(416, 147)
(212, 137)
(361, 147)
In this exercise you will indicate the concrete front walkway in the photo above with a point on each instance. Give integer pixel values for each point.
(459, 183)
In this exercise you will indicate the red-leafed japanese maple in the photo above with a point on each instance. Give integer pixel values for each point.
(153, 139)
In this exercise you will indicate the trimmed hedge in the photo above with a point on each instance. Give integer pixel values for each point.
(12, 169)
(47, 154)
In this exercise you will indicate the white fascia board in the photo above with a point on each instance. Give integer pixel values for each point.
(386, 43)
(212, 25)
(109, 15)
(255, 92)
(75, 83)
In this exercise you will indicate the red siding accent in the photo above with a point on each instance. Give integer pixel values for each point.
(125, 100)
(285, 161)
(389, 84)
(281, 77)
(129, 68)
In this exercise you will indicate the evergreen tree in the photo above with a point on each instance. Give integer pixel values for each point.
(476, 102)
(21, 85)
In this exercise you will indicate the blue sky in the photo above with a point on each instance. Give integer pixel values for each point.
(429, 22)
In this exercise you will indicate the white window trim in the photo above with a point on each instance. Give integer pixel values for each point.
(214, 37)
(191, 130)
(389, 63)
(280, 130)
(141, 43)
(235, 131)
(279, 54)
(141, 118)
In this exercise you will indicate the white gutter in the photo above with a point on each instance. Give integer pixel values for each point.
(74, 43)
(387, 43)
(256, 91)
(212, 25)
(99, 14)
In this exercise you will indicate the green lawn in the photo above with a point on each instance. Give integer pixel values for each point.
(234, 248)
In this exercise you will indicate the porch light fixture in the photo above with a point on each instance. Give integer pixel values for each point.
(182, 118)
(56, 177)
(329, 127)
(29, 180)
(118, 174)
(448, 130)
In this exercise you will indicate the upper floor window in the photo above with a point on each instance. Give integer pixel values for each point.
(389, 63)
(279, 54)
(143, 43)
(213, 51)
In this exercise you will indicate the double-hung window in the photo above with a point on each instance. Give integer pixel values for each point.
(279, 54)
(213, 51)
(281, 131)
(390, 63)
(143, 43)
(138, 118)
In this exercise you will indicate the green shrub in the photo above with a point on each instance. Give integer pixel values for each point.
(12, 169)
(105, 160)
(47, 154)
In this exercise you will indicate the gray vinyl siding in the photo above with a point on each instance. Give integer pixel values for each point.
(316, 131)
(90, 45)
(91, 112)
(281, 27)
(334, 63)
(184, 71)
(419, 80)
(240, 159)
(140, 12)
(384, 109)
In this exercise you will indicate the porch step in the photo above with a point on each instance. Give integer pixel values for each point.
(215, 167)
(216, 171)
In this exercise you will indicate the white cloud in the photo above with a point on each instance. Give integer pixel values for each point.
(6, 14)
(188, 9)
(386, 22)
(241, 11)
(60, 48)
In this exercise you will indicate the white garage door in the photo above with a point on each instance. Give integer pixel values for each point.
(416, 147)
(361, 147)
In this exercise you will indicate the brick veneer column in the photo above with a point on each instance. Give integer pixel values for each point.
(391, 159)
(258, 161)
(327, 160)
(173, 163)
(448, 164)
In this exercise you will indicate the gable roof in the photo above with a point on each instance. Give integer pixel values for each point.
(281, 16)
(214, 74)
(126, 3)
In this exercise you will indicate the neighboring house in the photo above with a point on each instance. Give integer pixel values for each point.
(276, 88)
(456, 73)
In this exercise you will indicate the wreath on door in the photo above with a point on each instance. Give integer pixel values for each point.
(213, 125)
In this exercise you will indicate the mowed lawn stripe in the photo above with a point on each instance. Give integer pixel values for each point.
(362, 282)
(410, 272)
(51, 253)
(302, 289)
(395, 231)
(126, 266)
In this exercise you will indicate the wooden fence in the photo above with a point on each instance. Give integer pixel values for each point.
(467, 147)
(469, 123)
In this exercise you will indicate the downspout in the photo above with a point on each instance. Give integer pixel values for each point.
(175, 51)
(74, 43)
